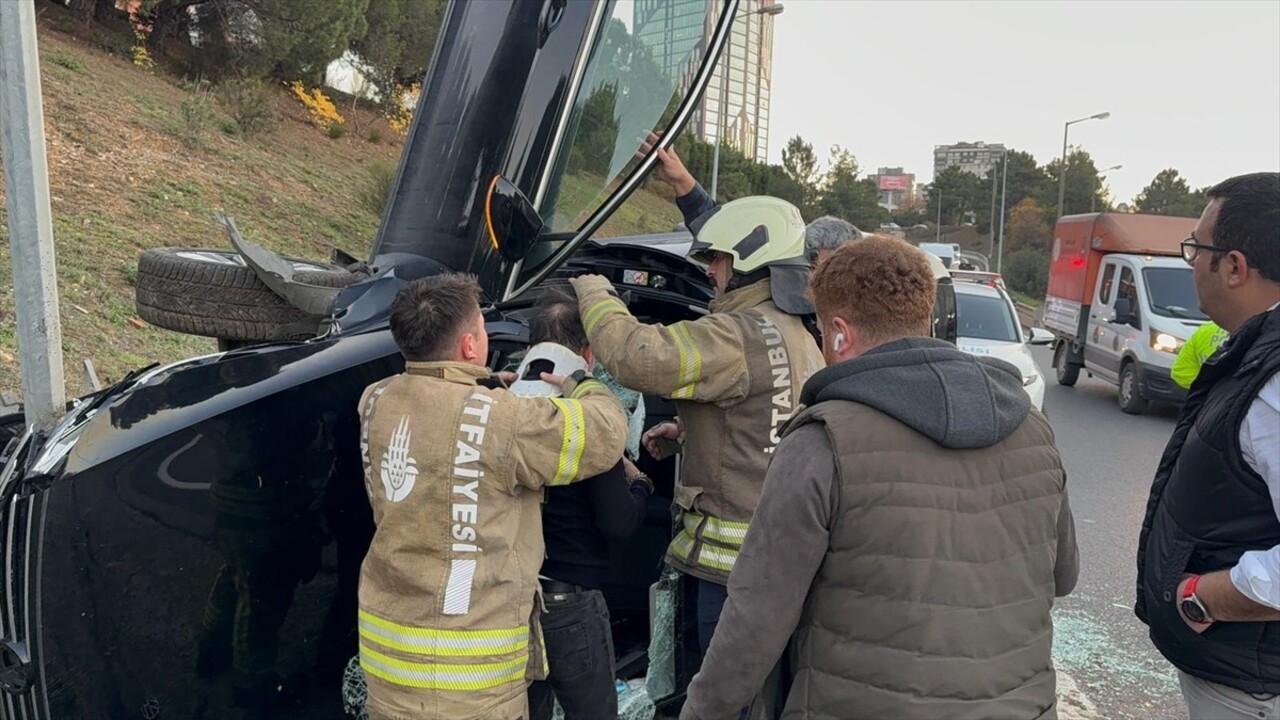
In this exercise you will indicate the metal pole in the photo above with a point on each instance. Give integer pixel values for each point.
(1004, 189)
(939, 225)
(991, 226)
(26, 176)
(724, 104)
(1062, 171)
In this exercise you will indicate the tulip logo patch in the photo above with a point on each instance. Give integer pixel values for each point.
(399, 471)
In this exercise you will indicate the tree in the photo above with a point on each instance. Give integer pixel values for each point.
(1083, 187)
(845, 196)
(1027, 271)
(960, 192)
(774, 181)
(292, 39)
(398, 44)
(1028, 227)
(1169, 194)
(1023, 179)
(801, 165)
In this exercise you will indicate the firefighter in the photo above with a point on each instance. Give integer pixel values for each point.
(455, 467)
(735, 376)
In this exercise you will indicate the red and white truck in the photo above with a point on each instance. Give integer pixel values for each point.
(1121, 302)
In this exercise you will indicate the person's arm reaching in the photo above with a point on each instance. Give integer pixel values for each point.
(557, 441)
(618, 506)
(692, 200)
(700, 360)
(783, 550)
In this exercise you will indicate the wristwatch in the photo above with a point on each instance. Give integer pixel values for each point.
(1190, 603)
(642, 479)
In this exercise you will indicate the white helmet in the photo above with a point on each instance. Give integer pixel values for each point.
(759, 232)
(547, 357)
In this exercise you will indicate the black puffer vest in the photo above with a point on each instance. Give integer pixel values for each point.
(1207, 508)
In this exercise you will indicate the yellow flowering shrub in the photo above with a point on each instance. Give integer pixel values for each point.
(318, 105)
(400, 110)
(141, 56)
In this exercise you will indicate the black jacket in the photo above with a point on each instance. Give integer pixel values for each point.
(1207, 508)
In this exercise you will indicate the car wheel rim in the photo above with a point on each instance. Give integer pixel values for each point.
(1126, 387)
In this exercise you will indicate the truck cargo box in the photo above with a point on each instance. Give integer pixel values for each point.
(1080, 242)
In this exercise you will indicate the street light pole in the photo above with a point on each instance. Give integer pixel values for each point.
(773, 10)
(938, 227)
(1094, 196)
(1004, 191)
(1062, 171)
(724, 104)
(991, 228)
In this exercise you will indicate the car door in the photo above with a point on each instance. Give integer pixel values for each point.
(1100, 331)
(1127, 320)
(556, 99)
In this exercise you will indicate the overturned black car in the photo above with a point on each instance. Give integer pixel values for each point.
(187, 542)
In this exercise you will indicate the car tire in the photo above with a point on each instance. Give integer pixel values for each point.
(1130, 394)
(213, 293)
(1066, 371)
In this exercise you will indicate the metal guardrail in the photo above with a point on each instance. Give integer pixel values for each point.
(1028, 315)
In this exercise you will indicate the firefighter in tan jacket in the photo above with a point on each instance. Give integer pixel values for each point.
(735, 375)
(454, 466)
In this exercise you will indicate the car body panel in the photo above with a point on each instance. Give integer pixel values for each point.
(1007, 343)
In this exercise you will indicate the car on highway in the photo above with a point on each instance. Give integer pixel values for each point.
(987, 325)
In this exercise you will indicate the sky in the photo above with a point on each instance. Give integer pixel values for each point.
(1189, 85)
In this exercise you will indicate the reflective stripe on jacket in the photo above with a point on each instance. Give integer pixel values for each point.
(736, 376)
(454, 470)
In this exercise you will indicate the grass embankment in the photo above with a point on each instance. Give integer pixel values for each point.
(125, 175)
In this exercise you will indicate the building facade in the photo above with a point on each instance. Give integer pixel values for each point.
(741, 85)
(975, 158)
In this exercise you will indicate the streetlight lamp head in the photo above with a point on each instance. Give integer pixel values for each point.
(774, 9)
(1100, 116)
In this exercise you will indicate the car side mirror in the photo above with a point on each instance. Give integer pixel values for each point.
(514, 223)
(1040, 336)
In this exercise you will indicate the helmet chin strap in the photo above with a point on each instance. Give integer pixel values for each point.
(741, 280)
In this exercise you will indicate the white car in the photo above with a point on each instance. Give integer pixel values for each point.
(987, 324)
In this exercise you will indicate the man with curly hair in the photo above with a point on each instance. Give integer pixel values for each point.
(913, 529)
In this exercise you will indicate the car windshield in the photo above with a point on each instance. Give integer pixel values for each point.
(985, 317)
(632, 86)
(1172, 292)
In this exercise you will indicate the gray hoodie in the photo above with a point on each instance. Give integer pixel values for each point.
(957, 400)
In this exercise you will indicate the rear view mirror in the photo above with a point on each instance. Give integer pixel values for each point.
(1040, 336)
(514, 223)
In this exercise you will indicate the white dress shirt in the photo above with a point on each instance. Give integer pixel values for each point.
(1257, 575)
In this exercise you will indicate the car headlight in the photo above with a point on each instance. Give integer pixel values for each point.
(1028, 379)
(1164, 342)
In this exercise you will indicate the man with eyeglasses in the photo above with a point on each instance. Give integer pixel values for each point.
(1209, 551)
